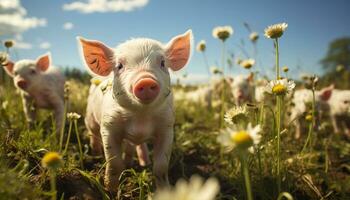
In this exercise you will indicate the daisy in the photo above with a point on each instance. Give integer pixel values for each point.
(235, 114)
(275, 31)
(215, 70)
(254, 36)
(222, 32)
(195, 189)
(280, 87)
(248, 63)
(239, 138)
(201, 46)
(73, 116)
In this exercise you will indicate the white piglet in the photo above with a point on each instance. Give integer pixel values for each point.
(242, 89)
(137, 104)
(339, 106)
(41, 86)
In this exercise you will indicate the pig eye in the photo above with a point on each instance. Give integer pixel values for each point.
(162, 63)
(120, 66)
(32, 71)
(346, 102)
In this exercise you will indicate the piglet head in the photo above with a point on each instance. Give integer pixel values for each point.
(26, 73)
(140, 67)
(241, 87)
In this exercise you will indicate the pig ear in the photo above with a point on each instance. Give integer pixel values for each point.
(326, 93)
(43, 62)
(9, 67)
(250, 77)
(178, 50)
(98, 57)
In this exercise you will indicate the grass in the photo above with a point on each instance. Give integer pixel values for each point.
(320, 174)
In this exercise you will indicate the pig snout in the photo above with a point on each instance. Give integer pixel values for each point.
(240, 95)
(22, 84)
(146, 90)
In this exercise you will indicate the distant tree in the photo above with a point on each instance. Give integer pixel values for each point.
(338, 54)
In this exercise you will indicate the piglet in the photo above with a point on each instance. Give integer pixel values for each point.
(136, 104)
(302, 100)
(339, 111)
(41, 86)
(242, 89)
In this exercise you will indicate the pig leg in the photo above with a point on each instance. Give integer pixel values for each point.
(28, 109)
(59, 114)
(113, 154)
(142, 154)
(95, 136)
(347, 124)
(161, 157)
(129, 153)
(297, 128)
(335, 124)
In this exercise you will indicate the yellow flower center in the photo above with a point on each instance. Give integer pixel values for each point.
(308, 117)
(279, 89)
(201, 47)
(248, 65)
(242, 139)
(223, 35)
(51, 160)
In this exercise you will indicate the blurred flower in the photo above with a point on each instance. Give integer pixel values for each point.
(9, 43)
(248, 63)
(238, 61)
(201, 46)
(222, 32)
(195, 189)
(305, 77)
(340, 68)
(66, 90)
(239, 138)
(254, 36)
(5, 104)
(96, 81)
(236, 114)
(51, 160)
(280, 87)
(215, 70)
(285, 69)
(275, 31)
(3, 58)
(73, 116)
(308, 117)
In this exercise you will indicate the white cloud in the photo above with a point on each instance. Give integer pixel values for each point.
(68, 26)
(44, 45)
(105, 5)
(14, 19)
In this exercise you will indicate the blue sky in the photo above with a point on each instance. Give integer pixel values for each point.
(312, 25)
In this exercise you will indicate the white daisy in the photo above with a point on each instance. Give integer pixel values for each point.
(275, 31)
(201, 46)
(254, 36)
(73, 116)
(222, 32)
(232, 138)
(235, 114)
(195, 189)
(248, 63)
(215, 70)
(280, 87)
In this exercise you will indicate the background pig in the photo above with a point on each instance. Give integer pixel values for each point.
(202, 95)
(242, 89)
(41, 86)
(138, 104)
(339, 108)
(302, 104)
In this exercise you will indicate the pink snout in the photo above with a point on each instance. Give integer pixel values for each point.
(22, 84)
(146, 90)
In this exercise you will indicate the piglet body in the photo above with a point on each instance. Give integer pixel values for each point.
(40, 86)
(136, 104)
(339, 109)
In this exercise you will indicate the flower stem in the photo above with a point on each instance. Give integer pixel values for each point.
(68, 138)
(53, 185)
(63, 126)
(206, 64)
(79, 144)
(279, 101)
(246, 177)
(224, 86)
(277, 60)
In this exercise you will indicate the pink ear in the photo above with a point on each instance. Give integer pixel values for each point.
(9, 67)
(178, 50)
(43, 62)
(98, 57)
(250, 77)
(326, 93)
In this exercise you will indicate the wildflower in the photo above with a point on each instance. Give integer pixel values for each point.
(215, 70)
(308, 117)
(73, 116)
(51, 160)
(247, 64)
(201, 46)
(254, 36)
(222, 32)
(275, 31)
(239, 138)
(5, 105)
(195, 189)
(236, 114)
(340, 68)
(285, 69)
(66, 90)
(3, 58)
(280, 87)
(95, 81)
(9, 43)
